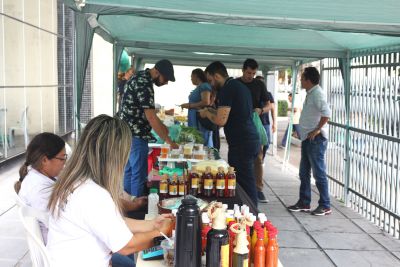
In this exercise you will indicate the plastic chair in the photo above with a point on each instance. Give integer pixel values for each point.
(30, 219)
(22, 126)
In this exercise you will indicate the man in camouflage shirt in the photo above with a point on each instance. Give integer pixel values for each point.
(138, 111)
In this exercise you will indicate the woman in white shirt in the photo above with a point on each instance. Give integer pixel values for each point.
(45, 158)
(86, 225)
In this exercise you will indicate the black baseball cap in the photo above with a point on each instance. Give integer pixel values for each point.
(164, 66)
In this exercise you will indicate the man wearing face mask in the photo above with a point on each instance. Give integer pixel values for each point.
(138, 111)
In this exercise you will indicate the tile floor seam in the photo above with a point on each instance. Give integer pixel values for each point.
(364, 232)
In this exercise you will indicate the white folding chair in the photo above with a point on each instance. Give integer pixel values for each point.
(30, 218)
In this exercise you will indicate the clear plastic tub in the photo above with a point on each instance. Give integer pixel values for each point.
(169, 252)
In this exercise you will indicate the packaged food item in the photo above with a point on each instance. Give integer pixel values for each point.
(200, 155)
(194, 181)
(181, 186)
(187, 151)
(220, 183)
(174, 154)
(165, 148)
(230, 183)
(198, 147)
(173, 186)
(164, 184)
(208, 183)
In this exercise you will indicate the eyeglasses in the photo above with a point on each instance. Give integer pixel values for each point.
(62, 159)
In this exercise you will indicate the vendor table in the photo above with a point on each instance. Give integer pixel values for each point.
(240, 198)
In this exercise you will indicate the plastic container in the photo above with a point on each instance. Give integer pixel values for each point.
(199, 155)
(169, 252)
(198, 147)
(187, 151)
(153, 200)
(175, 154)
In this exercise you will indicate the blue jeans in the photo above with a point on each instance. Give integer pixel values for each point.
(296, 128)
(118, 260)
(136, 168)
(242, 157)
(313, 157)
(267, 128)
(207, 136)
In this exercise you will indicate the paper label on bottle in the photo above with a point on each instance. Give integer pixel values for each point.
(195, 182)
(208, 184)
(181, 190)
(163, 188)
(231, 184)
(220, 184)
(173, 190)
(224, 256)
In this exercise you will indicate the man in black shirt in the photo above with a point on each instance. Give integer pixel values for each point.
(260, 104)
(235, 114)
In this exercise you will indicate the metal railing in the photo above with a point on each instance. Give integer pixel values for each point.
(371, 185)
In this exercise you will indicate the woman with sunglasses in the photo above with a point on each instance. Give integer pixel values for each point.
(45, 158)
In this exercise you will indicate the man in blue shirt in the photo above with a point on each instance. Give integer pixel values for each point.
(235, 114)
(314, 136)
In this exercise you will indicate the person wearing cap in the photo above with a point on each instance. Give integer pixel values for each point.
(138, 111)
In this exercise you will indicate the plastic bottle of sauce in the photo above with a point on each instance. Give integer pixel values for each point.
(232, 239)
(164, 184)
(208, 182)
(217, 249)
(259, 249)
(254, 238)
(181, 186)
(194, 181)
(272, 249)
(173, 186)
(231, 181)
(220, 182)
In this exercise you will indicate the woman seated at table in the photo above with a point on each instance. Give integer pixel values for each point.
(45, 158)
(85, 222)
(198, 99)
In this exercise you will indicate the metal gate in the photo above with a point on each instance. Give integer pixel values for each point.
(363, 155)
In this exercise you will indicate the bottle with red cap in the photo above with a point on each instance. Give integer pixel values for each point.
(259, 249)
(272, 250)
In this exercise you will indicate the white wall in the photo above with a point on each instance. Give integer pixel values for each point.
(102, 76)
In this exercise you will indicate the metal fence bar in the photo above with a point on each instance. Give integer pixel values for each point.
(364, 148)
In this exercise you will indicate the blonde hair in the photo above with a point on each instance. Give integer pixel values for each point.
(100, 155)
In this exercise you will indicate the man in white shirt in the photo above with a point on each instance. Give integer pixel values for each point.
(314, 136)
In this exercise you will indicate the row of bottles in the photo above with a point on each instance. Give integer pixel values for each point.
(232, 247)
(172, 187)
(208, 185)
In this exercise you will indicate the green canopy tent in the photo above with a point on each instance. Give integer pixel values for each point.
(277, 33)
